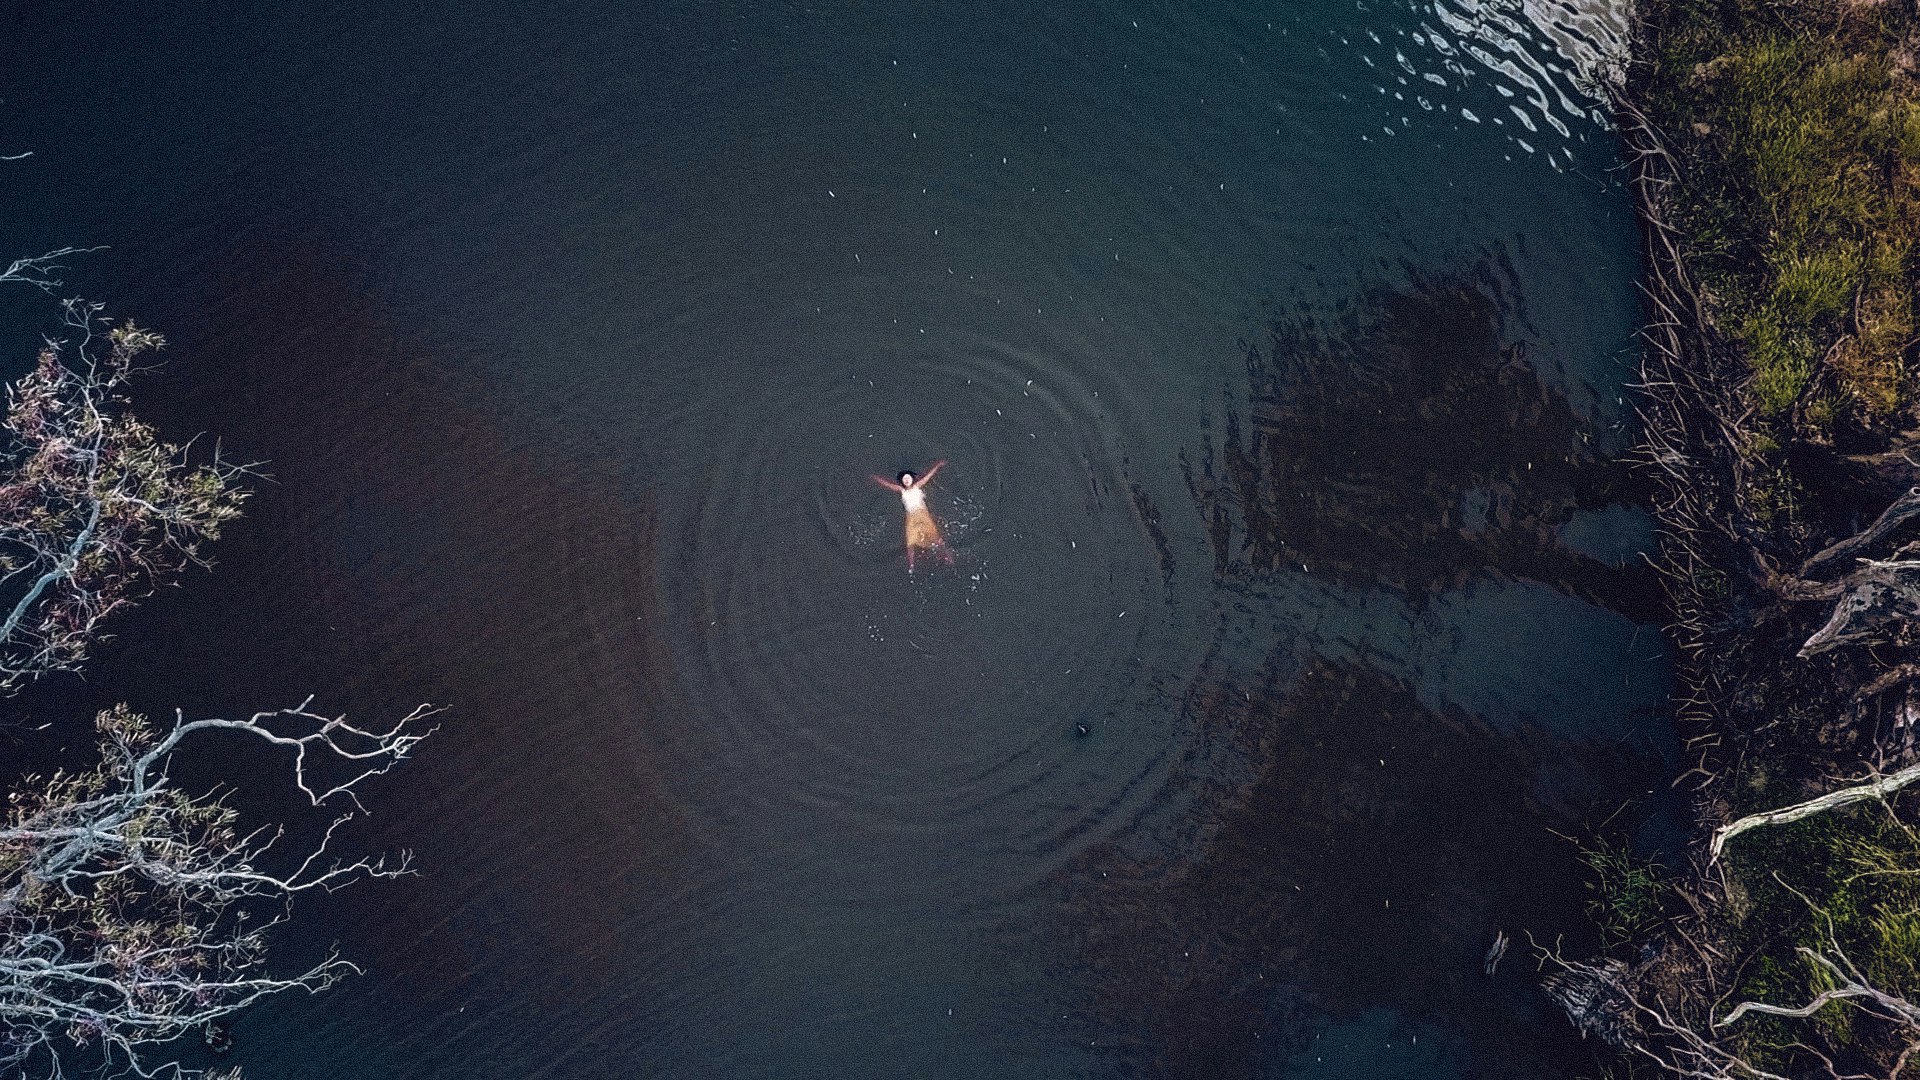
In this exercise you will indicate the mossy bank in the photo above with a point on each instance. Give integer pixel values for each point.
(1775, 154)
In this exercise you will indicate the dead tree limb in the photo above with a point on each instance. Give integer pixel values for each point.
(1874, 790)
(1904, 509)
(1877, 602)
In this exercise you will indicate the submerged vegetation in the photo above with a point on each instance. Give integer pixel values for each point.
(1628, 893)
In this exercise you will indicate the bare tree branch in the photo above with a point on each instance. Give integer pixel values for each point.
(133, 913)
(40, 271)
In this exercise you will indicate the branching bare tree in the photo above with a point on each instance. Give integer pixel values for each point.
(133, 912)
(95, 510)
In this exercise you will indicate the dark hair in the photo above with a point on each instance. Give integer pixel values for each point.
(906, 479)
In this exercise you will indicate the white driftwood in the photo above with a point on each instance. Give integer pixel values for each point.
(1875, 790)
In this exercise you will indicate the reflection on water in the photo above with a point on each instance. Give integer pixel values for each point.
(1410, 444)
(1316, 887)
(1299, 882)
(1547, 63)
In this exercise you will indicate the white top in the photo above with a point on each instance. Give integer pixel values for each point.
(914, 498)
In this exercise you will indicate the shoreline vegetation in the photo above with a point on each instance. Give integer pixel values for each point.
(1774, 153)
(137, 912)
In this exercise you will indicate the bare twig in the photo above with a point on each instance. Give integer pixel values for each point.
(40, 271)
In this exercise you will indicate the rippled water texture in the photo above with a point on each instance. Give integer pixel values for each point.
(1277, 357)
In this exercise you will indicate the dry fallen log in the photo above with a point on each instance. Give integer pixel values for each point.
(1880, 598)
(1903, 509)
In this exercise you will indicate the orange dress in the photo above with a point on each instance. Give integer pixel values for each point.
(923, 534)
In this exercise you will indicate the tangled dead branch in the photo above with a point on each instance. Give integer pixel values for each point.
(1605, 999)
(133, 913)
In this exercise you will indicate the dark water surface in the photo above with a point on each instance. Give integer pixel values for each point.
(1277, 353)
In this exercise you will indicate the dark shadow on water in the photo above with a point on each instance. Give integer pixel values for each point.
(1328, 883)
(1411, 443)
(1349, 845)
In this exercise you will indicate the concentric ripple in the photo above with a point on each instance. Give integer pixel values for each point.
(913, 703)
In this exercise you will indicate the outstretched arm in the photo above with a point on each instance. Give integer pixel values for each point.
(929, 477)
(886, 483)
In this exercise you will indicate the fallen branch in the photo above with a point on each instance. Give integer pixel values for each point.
(1879, 600)
(1602, 999)
(1875, 790)
(1904, 508)
(1850, 985)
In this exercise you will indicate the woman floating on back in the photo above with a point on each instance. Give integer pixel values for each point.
(922, 533)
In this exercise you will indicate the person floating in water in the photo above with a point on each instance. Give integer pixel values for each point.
(923, 534)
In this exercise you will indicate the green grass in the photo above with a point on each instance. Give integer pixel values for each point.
(1858, 867)
(1629, 895)
(1799, 204)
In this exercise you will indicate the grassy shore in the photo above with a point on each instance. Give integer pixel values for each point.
(1776, 155)
(1800, 127)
